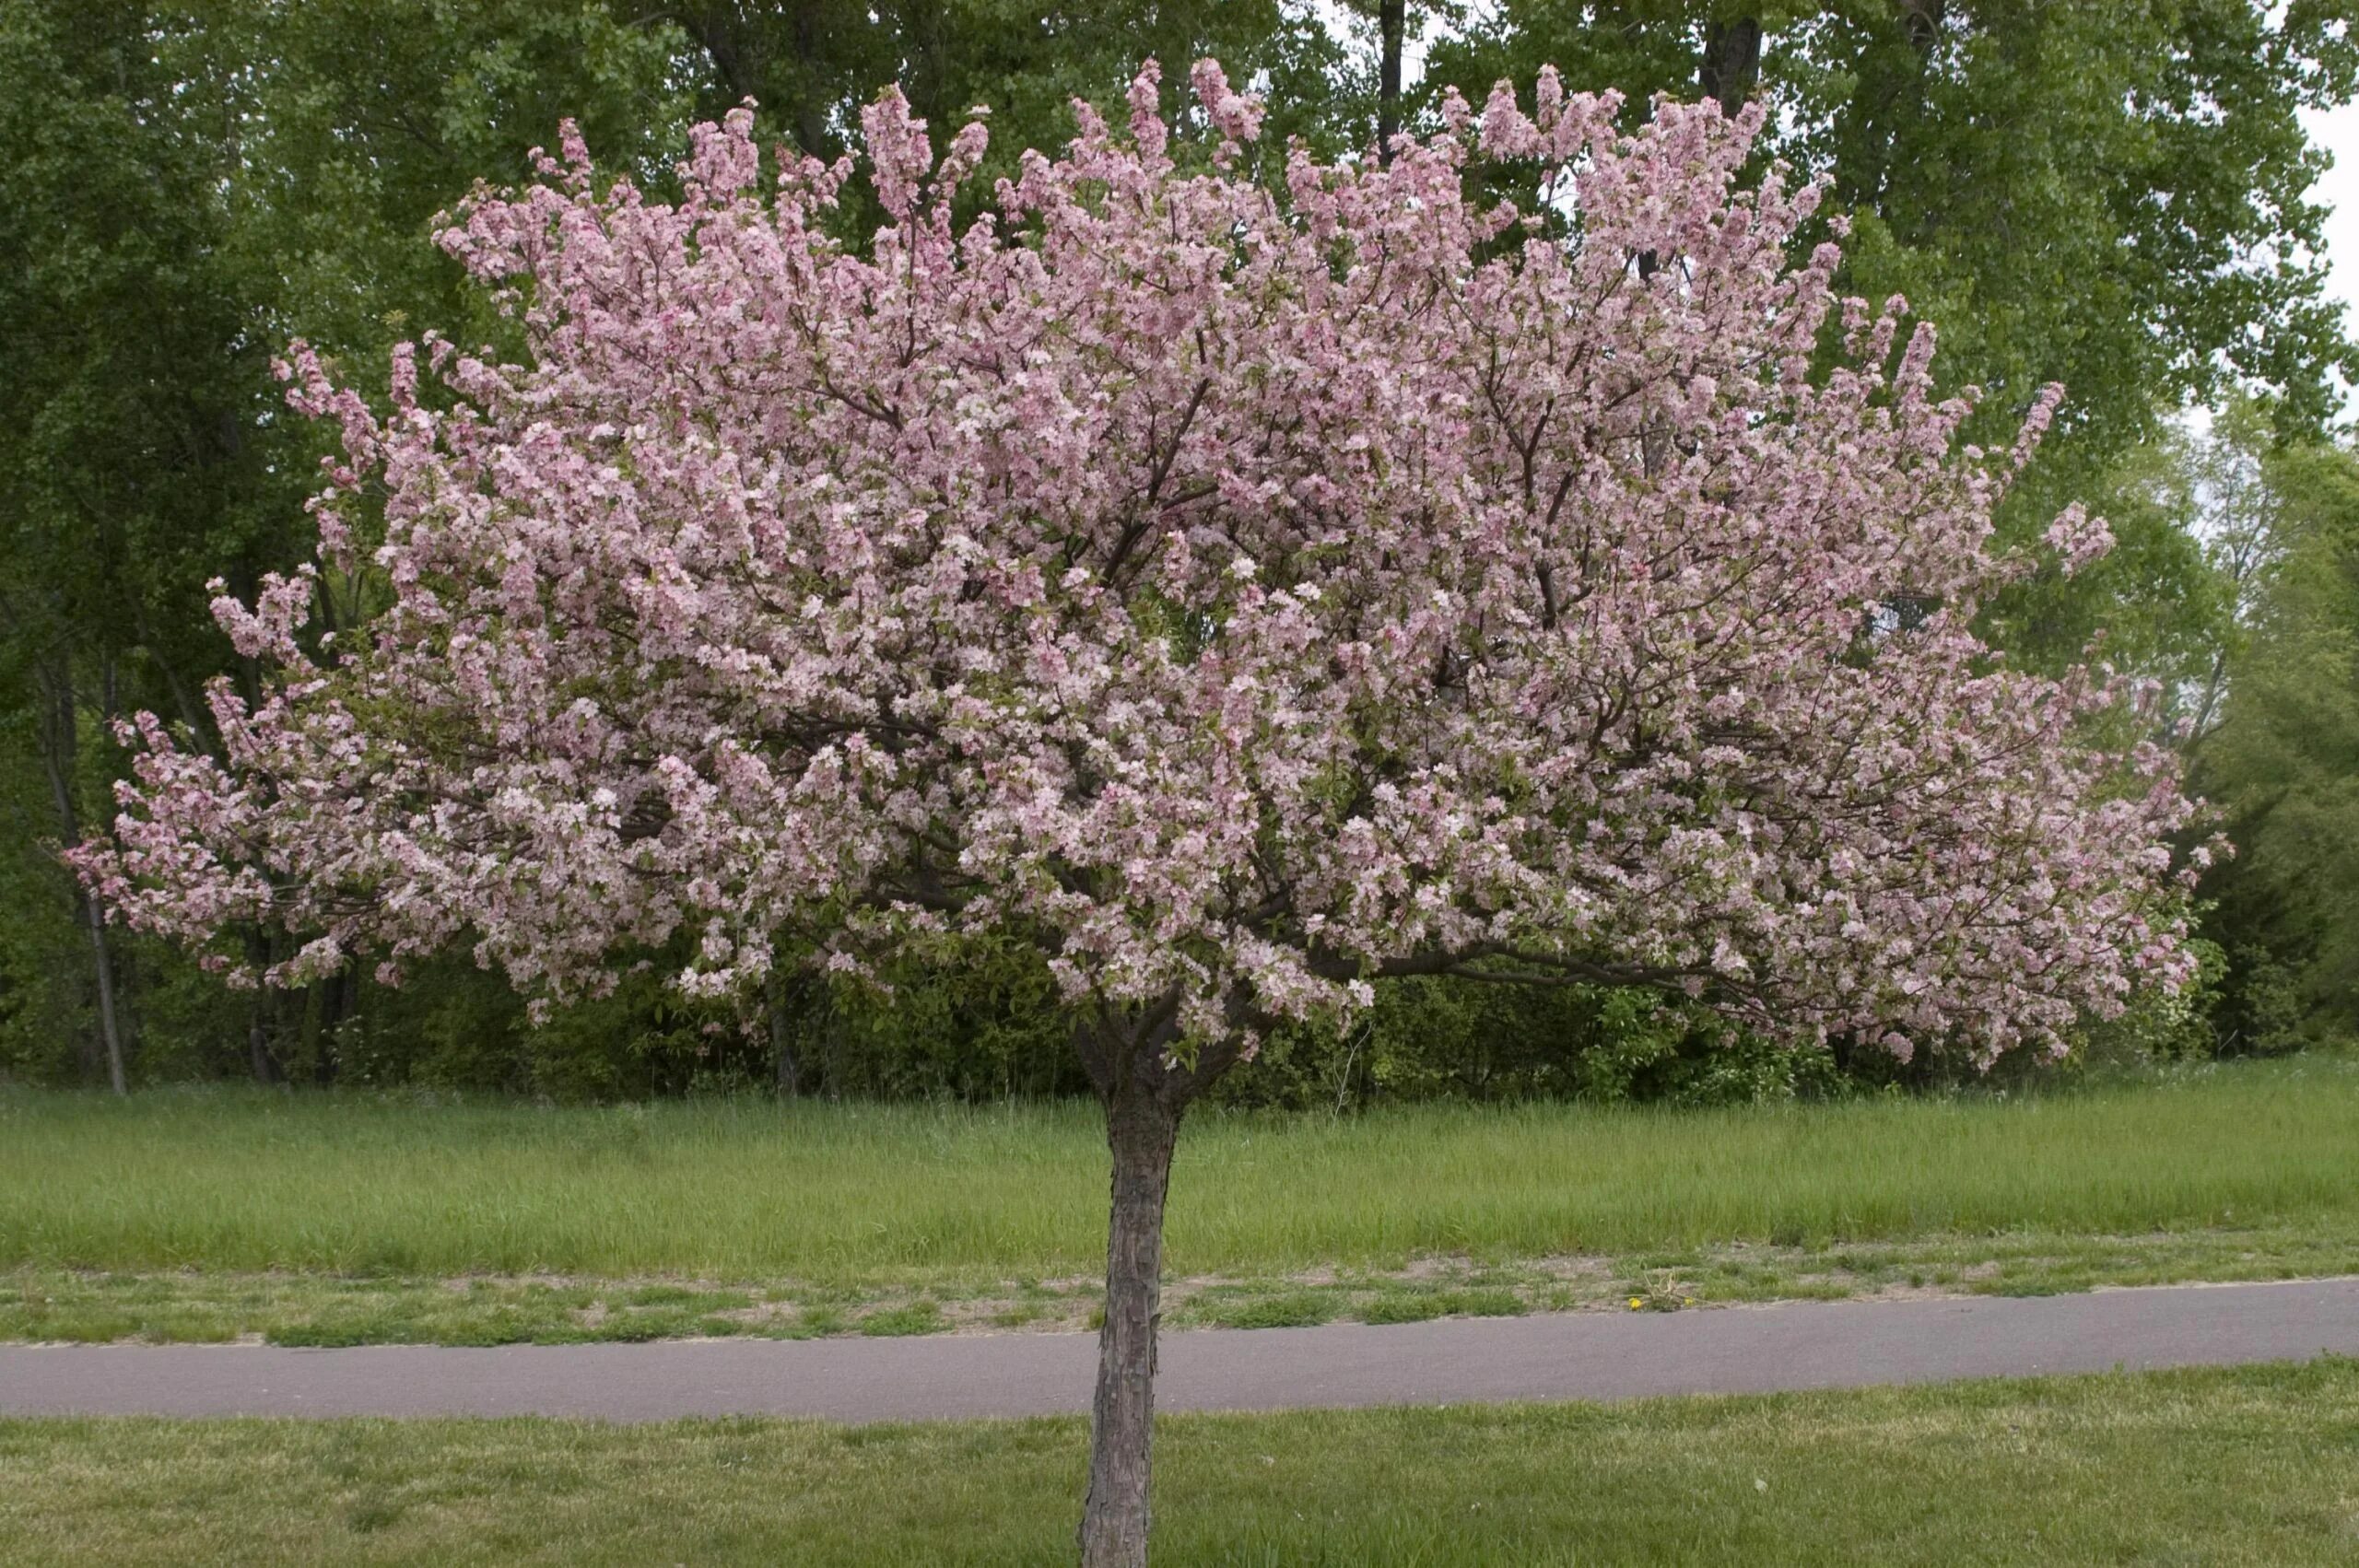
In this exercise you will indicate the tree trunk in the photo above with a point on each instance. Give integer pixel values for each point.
(1732, 63)
(810, 99)
(1141, 1127)
(926, 50)
(258, 1011)
(1889, 100)
(777, 1000)
(107, 1026)
(1144, 1092)
(258, 1045)
(1922, 20)
(58, 722)
(318, 1038)
(831, 1036)
(1392, 26)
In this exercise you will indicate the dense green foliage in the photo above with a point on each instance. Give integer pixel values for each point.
(2111, 194)
(2285, 758)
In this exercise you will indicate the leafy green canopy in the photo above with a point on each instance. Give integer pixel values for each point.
(2285, 761)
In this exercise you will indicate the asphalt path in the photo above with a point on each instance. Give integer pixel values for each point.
(1584, 1355)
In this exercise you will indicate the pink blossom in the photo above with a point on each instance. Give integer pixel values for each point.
(1239, 600)
(2077, 538)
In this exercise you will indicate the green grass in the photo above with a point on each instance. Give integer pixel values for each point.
(351, 1218)
(748, 1190)
(334, 1309)
(2255, 1466)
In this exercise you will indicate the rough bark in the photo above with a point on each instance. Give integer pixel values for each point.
(1142, 1128)
(1392, 26)
(1732, 63)
(1144, 1094)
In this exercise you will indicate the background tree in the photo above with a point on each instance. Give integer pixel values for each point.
(128, 390)
(1232, 602)
(811, 65)
(2285, 758)
(186, 186)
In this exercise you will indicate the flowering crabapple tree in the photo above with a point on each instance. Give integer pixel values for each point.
(1240, 592)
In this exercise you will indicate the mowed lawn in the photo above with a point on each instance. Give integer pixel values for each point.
(343, 1218)
(2256, 1466)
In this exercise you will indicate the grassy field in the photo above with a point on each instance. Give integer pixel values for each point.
(2257, 1466)
(207, 1215)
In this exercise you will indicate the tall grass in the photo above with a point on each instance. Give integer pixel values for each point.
(240, 1180)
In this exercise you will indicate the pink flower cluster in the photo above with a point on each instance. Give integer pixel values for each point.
(1242, 594)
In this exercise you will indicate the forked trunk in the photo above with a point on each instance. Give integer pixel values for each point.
(1141, 1127)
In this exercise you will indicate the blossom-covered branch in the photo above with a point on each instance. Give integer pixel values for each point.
(1243, 593)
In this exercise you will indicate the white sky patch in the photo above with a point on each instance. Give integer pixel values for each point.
(2336, 130)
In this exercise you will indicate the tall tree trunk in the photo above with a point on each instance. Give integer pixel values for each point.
(1732, 63)
(720, 29)
(1142, 1128)
(925, 54)
(831, 1035)
(57, 747)
(1393, 28)
(258, 1045)
(1727, 73)
(318, 1036)
(1889, 98)
(109, 1030)
(344, 1005)
(810, 101)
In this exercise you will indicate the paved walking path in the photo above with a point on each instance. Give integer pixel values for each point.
(1562, 1356)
